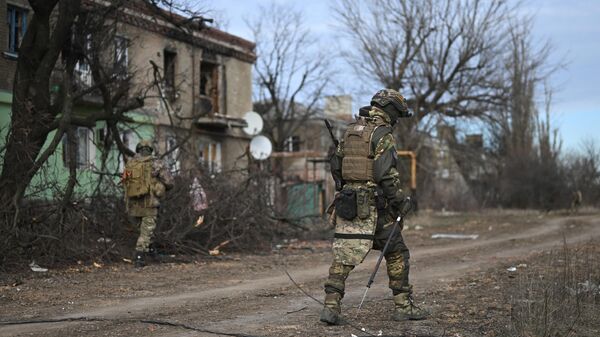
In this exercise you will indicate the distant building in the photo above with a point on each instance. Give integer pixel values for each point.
(305, 160)
(206, 82)
(453, 173)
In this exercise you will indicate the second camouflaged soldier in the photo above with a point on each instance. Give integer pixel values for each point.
(370, 196)
(146, 178)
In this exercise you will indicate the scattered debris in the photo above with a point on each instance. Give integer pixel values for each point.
(200, 221)
(216, 251)
(36, 268)
(97, 265)
(522, 265)
(418, 227)
(455, 236)
(104, 240)
(127, 260)
(584, 287)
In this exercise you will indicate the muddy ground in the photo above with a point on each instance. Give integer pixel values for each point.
(464, 283)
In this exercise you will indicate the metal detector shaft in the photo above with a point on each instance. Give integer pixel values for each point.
(383, 251)
(405, 209)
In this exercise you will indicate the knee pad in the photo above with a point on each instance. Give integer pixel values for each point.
(397, 268)
(338, 273)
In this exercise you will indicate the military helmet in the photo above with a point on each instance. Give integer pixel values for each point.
(391, 102)
(144, 143)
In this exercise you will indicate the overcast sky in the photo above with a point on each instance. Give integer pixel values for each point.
(572, 26)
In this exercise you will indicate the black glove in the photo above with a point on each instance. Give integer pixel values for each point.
(401, 206)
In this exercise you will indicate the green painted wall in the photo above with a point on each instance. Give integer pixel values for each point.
(51, 180)
(304, 200)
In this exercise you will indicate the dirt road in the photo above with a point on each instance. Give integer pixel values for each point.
(252, 295)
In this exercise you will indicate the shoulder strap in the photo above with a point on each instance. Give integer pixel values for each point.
(378, 134)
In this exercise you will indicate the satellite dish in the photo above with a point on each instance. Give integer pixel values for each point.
(260, 147)
(255, 123)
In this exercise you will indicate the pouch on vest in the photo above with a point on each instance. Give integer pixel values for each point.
(345, 204)
(362, 203)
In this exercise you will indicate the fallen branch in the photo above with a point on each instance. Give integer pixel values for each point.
(295, 311)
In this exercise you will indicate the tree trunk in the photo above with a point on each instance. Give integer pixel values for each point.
(32, 109)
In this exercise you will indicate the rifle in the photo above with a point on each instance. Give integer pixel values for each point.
(404, 209)
(330, 128)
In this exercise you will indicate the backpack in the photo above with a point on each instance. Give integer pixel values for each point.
(137, 177)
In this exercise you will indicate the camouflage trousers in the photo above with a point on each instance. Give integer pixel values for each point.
(147, 226)
(397, 261)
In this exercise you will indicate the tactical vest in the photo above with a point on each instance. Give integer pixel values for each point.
(137, 177)
(357, 164)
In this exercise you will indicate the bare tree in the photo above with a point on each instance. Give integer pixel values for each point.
(525, 146)
(291, 72)
(442, 55)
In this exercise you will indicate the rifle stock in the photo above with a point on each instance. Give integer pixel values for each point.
(330, 129)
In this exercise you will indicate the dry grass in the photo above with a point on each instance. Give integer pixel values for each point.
(560, 299)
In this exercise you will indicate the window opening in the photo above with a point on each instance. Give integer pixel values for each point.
(169, 76)
(17, 25)
(121, 56)
(209, 83)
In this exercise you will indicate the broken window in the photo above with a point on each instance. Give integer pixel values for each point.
(83, 72)
(130, 139)
(210, 155)
(169, 69)
(17, 25)
(121, 56)
(172, 157)
(292, 144)
(209, 83)
(85, 150)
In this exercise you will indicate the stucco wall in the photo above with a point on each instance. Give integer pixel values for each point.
(239, 87)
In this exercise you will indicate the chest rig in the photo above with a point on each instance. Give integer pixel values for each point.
(357, 164)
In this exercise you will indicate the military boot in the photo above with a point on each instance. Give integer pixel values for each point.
(138, 259)
(405, 309)
(332, 310)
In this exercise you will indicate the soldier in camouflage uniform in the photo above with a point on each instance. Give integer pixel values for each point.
(368, 202)
(146, 178)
